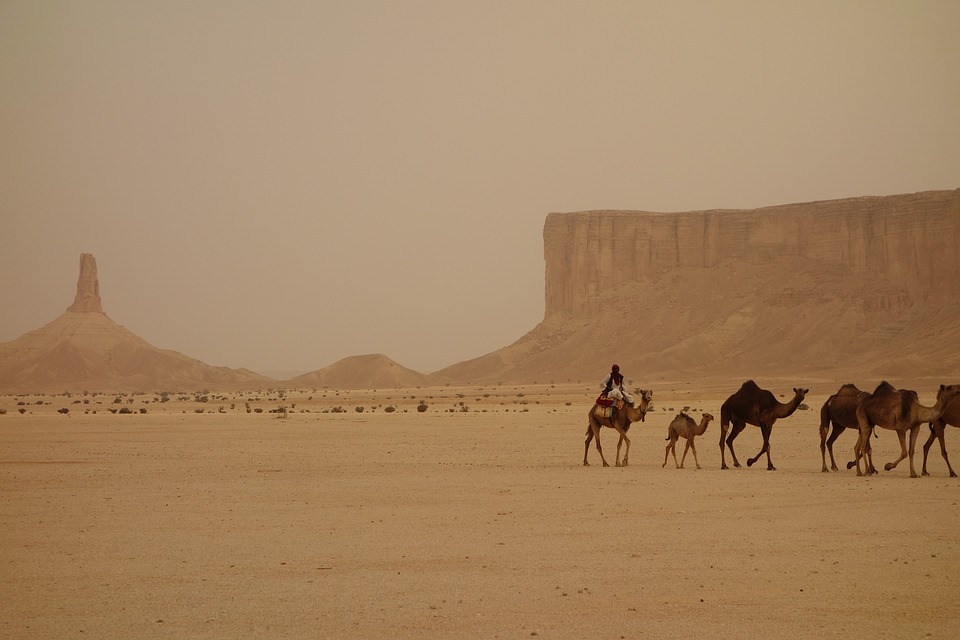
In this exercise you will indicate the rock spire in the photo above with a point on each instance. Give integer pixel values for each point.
(88, 287)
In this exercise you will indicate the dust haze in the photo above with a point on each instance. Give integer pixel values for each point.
(278, 186)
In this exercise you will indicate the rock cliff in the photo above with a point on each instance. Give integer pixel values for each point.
(850, 290)
(907, 241)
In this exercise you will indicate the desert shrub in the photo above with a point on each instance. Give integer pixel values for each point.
(64, 410)
(803, 407)
(198, 410)
(143, 410)
(22, 410)
(389, 409)
(126, 410)
(358, 409)
(258, 410)
(422, 406)
(3, 412)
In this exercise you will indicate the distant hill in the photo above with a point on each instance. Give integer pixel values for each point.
(854, 289)
(373, 371)
(83, 349)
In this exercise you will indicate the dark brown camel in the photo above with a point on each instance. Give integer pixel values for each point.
(756, 406)
(683, 426)
(899, 410)
(620, 421)
(951, 416)
(841, 410)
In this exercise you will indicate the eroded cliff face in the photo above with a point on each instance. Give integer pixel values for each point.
(907, 242)
(858, 289)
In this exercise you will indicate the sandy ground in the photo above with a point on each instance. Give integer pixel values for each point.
(478, 523)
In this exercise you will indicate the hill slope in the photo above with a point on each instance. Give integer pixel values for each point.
(373, 371)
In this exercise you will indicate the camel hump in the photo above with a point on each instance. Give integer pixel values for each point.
(908, 398)
(750, 385)
(848, 390)
(884, 387)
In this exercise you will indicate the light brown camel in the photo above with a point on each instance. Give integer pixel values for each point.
(951, 416)
(683, 426)
(620, 421)
(899, 410)
(841, 410)
(756, 406)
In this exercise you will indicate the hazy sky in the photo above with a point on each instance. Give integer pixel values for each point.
(278, 185)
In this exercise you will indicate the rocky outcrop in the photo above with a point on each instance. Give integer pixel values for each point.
(908, 241)
(83, 349)
(88, 287)
(854, 289)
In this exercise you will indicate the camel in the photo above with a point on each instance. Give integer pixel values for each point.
(950, 416)
(899, 410)
(683, 426)
(620, 421)
(841, 410)
(756, 406)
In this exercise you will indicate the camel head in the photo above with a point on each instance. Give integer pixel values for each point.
(646, 401)
(948, 392)
(704, 423)
(800, 394)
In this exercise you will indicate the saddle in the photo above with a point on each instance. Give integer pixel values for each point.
(607, 406)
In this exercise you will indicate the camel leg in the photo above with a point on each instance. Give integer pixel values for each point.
(765, 429)
(671, 446)
(692, 447)
(837, 430)
(926, 450)
(913, 447)
(596, 437)
(626, 453)
(866, 453)
(586, 445)
(734, 432)
(943, 451)
(863, 440)
(903, 452)
(723, 436)
(824, 424)
(861, 450)
(593, 434)
(936, 432)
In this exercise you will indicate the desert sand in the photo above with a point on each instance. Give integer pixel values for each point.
(199, 519)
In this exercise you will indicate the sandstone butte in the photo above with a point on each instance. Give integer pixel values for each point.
(836, 290)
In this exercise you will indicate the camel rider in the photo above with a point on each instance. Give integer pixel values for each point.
(615, 386)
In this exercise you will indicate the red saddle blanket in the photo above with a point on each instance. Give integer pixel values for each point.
(604, 401)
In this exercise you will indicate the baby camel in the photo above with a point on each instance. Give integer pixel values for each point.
(683, 426)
